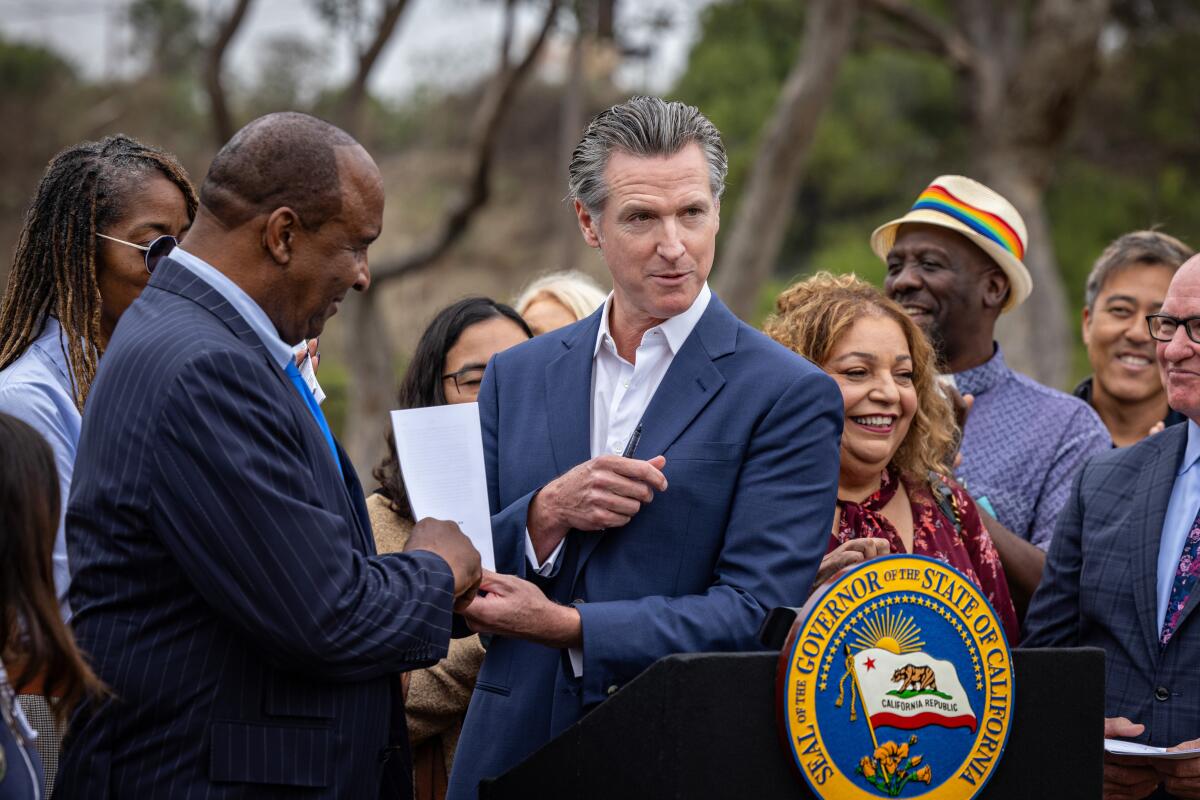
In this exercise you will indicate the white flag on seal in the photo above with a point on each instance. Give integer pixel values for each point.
(911, 690)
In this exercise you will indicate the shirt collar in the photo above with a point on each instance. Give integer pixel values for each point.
(50, 342)
(1084, 390)
(256, 318)
(1192, 453)
(987, 375)
(675, 330)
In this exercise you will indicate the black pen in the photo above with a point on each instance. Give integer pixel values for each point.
(633, 442)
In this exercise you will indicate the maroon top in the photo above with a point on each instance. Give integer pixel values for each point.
(934, 535)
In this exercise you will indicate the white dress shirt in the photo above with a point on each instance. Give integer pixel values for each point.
(621, 392)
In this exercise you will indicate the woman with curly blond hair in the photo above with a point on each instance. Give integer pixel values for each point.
(894, 494)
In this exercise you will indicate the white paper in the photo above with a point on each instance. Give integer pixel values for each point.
(440, 450)
(306, 372)
(1119, 747)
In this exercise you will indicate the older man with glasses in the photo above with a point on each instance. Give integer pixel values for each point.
(1121, 573)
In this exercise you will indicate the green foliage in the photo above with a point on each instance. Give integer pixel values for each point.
(335, 382)
(289, 67)
(39, 96)
(735, 72)
(169, 30)
(338, 13)
(893, 122)
(898, 119)
(30, 70)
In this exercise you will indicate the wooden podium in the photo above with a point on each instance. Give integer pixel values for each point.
(705, 726)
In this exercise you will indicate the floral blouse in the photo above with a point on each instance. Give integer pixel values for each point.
(970, 552)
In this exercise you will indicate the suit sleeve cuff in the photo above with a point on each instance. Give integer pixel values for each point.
(548, 568)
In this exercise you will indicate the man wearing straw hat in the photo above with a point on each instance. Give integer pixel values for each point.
(954, 264)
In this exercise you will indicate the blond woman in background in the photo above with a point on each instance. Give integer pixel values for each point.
(558, 299)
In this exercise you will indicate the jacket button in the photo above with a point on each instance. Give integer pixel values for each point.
(578, 601)
(612, 690)
(1161, 694)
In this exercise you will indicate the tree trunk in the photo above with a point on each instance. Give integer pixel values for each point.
(222, 120)
(767, 202)
(350, 111)
(370, 355)
(1025, 94)
(1036, 336)
(570, 128)
(370, 358)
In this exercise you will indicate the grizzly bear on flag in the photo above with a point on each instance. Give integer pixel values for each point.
(910, 676)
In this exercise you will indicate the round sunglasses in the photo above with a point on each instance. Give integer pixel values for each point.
(155, 252)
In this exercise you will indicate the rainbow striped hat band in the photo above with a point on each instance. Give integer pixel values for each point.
(975, 211)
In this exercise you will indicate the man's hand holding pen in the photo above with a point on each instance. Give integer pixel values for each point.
(605, 492)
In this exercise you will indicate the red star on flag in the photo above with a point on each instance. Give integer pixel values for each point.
(870, 663)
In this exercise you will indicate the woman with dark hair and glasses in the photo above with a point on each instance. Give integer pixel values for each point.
(446, 368)
(36, 648)
(103, 214)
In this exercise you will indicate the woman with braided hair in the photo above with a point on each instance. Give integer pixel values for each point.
(102, 215)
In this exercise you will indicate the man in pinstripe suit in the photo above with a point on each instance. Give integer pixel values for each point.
(1122, 567)
(226, 583)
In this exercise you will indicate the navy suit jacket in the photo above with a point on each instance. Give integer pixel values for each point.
(1099, 588)
(225, 583)
(750, 432)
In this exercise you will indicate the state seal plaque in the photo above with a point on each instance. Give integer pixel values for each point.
(899, 683)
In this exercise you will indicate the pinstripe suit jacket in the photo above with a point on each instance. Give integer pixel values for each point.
(225, 579)
(1099, 588)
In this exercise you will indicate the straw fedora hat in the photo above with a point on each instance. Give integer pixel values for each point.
(972, 209)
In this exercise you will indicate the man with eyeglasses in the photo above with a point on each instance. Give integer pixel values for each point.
(1121, 573)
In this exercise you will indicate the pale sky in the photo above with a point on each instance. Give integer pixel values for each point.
(438, 42)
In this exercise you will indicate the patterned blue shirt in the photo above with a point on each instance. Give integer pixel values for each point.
(1022, 445)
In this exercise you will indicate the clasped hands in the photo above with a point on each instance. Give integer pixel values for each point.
(1135, 777)
(605, 492)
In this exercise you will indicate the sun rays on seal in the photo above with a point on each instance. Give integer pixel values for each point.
(895, 633)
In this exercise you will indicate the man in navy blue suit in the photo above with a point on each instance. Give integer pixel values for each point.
(660, 474)
(226, 586)
(1122, 571)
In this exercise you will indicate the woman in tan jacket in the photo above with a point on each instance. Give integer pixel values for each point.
(447, 368)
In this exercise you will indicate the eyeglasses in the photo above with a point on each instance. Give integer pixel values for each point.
(1163, 327)
(467, 380)
(155, 252)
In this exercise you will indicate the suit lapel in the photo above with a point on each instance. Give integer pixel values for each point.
(568, 399)
(690, 384)
(354, 496)
(171, 276)
(1153, 492)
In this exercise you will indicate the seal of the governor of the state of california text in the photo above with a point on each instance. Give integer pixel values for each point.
(899, 683)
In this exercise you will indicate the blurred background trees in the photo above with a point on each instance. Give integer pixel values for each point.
(835, 112)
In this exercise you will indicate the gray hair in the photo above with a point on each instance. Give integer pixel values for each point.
(1146, 248)
(646, 127)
